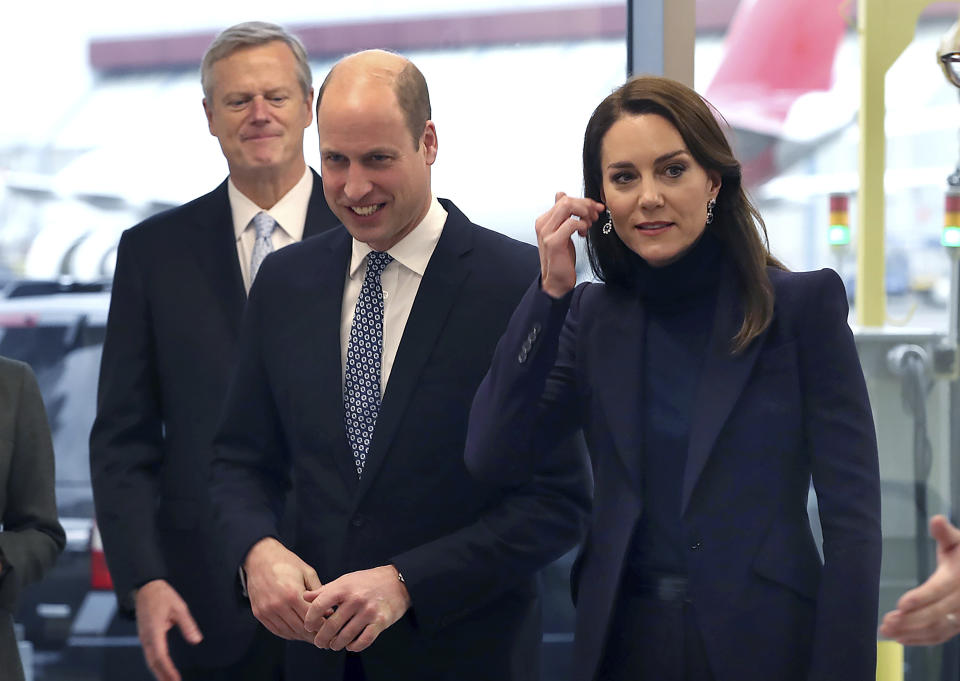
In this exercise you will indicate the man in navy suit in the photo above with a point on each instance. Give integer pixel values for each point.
(403, 566)
(178, 295)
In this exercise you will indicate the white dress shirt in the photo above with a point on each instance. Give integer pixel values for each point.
(400, 282)
(290, 212)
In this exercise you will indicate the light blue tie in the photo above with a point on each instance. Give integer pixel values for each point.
(361, 385)
(263, 246)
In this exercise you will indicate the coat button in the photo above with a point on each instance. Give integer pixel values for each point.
(522, 357)
(527, 344)
(696, 545)
(358, 521)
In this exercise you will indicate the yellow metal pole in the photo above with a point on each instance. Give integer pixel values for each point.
(889, 661)
(886, 27)
(679, 35)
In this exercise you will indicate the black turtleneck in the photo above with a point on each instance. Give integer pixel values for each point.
(679, 301)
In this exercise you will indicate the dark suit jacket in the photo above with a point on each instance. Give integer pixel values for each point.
(31, 537)
(794, 403)
(468, 552)
(175, 313)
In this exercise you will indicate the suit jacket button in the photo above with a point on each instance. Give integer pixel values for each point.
(696, 545)
(522, 357)
(527, 344)
(358, 521)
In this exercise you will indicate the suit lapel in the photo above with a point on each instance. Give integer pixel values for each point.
(616, 348)
(324, 294)
(215, 245)
(438, 291)
(215, 248)
(319, 217)
(722, 379)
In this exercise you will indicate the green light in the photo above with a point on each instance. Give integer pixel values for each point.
(839, 235)
(951, 236)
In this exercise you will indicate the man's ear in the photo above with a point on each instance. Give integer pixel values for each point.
(208, 112)
(309, 104)
(429, 142)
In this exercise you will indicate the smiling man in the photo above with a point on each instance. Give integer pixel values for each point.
(356, 390)
(178, 295)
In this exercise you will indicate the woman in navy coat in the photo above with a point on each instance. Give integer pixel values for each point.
(711, 384)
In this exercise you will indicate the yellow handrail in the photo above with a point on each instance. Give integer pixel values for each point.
(886, 27)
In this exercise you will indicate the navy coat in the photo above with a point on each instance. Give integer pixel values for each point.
(791, 405)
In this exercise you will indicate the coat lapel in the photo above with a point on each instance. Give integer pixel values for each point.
(722, 379)
(324, 293)
(215, 245)
(438, 291)
(319, 217)
(215, 248)
(616, 349)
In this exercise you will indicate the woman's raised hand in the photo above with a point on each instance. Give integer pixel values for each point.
(555, 228)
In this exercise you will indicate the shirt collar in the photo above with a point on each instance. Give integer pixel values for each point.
(290, 211)
(415, 249)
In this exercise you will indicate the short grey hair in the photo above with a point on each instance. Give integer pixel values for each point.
(252, 34)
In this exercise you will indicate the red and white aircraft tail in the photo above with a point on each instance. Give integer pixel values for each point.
(774, 83)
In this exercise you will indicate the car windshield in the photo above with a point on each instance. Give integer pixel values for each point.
(65, 358)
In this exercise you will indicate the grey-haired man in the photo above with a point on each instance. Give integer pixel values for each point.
(179, 292)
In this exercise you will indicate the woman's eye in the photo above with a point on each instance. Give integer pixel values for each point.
(675, 170)
(621, 177)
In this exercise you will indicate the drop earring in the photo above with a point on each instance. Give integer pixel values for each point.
(608, 225)
(710, 205)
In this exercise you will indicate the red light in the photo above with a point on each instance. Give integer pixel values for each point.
(953, 203)
(17, 321)
(100, 578)
(839, 203)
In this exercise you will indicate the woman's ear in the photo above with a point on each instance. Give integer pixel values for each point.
(715, 183)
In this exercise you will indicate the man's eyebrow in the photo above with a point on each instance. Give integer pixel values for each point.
(389, 151)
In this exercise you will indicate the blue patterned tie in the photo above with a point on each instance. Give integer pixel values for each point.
(263, 246)
(361, 384)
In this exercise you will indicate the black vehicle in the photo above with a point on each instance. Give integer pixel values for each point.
(70, 617)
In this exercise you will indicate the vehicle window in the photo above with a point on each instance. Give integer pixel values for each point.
(66, 361)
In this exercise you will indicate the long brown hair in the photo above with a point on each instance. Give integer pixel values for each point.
(737, 223)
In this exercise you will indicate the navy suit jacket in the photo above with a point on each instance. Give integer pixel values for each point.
(175, 312)
(792, 405)
(468, 552)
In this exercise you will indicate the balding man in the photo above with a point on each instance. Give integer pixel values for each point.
(178, 295)
(360, 354)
